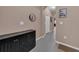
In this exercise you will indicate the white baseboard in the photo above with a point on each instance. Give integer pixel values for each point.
(67, 45)
(41, 37)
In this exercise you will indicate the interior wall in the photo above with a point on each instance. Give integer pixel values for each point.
(68, 27)
(46, 12)
(11, 19)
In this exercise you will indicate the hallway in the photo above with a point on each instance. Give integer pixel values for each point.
(46, 44)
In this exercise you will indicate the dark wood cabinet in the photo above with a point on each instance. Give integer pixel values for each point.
(19, 43)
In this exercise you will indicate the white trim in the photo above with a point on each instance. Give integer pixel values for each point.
(67, 45)
(41, 37)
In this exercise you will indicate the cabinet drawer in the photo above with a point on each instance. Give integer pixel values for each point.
(20, 43)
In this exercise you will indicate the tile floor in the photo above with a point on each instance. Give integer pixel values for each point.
(46, 44)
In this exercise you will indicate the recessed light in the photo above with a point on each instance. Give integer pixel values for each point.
(61, 22)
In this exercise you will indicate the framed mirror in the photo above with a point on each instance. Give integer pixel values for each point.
(32, 17)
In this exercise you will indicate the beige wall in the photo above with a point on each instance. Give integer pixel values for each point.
(70, 26)
(10, 18)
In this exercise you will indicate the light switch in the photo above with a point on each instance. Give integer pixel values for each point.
(21, 23)
(65, 37)
(61, 22)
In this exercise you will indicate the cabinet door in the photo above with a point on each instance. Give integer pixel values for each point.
(27, 41)
(20, 43)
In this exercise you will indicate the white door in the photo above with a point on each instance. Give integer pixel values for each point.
(47, 24)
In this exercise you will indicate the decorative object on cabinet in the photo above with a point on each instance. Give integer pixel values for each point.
(62, 12)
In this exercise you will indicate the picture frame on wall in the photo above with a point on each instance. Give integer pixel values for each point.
(63, 13)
